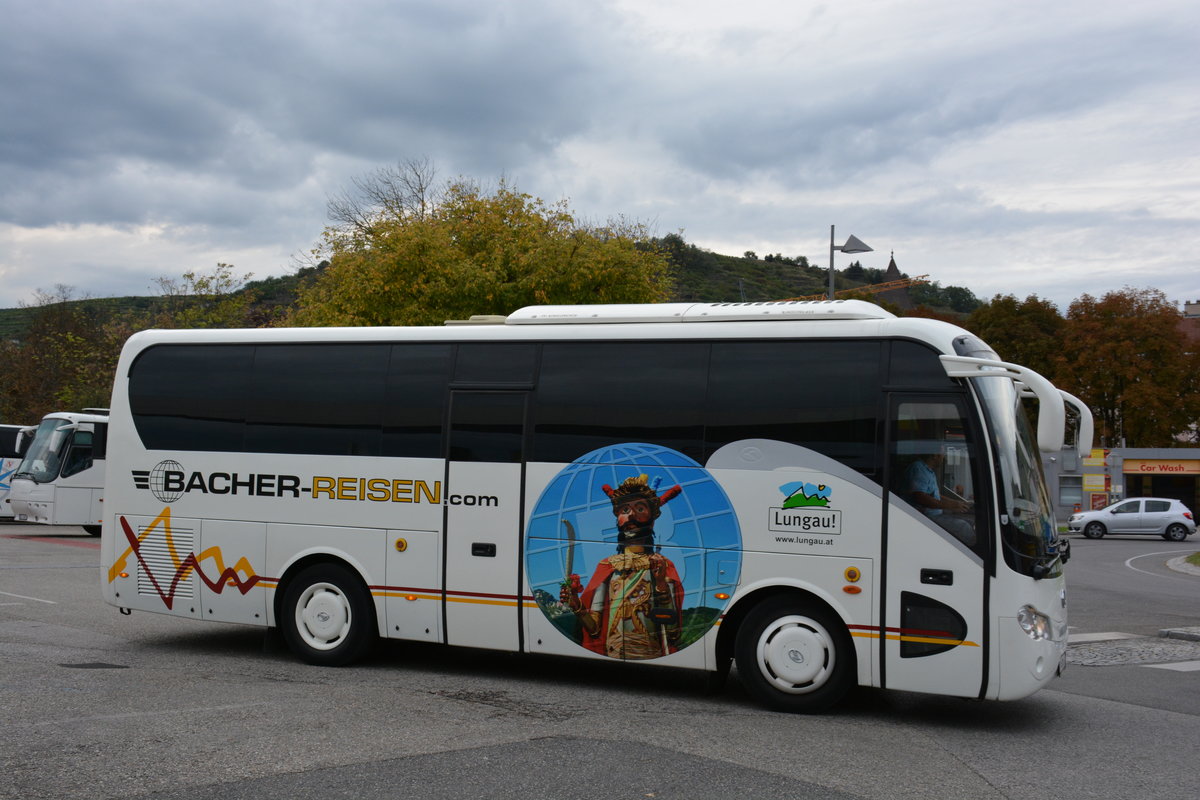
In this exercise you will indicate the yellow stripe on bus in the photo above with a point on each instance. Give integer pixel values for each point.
(920, 639)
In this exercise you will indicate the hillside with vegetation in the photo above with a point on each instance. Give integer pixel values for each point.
(698, 276)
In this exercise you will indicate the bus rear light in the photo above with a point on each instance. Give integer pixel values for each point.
(410, 597)
(852, 589)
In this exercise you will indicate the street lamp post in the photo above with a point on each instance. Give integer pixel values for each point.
(852, 245)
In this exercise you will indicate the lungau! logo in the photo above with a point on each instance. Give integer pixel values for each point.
(806, 509)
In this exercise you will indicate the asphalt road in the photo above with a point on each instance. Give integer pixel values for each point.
(99, 705)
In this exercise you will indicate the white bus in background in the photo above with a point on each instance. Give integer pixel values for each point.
(821, 492)
(60, 480)
(13, 441)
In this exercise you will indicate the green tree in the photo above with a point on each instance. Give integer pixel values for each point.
(1027, 332)
(59, 364)
(215, 299)
(1127, 358)
(476, 252)
(67, 357)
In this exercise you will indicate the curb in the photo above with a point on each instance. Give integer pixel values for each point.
(1181, 564)
(1189, 634)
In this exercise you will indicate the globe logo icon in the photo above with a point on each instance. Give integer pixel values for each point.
(158, 481)
(572, 529)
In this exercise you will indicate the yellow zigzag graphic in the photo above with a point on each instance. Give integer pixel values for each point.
(186, 563)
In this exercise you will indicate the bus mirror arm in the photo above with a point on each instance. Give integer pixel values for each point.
(1052, 411)
(1083, 442)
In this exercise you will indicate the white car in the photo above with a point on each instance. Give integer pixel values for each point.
(1169, 519)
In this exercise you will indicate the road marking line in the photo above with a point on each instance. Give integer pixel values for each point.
(1078, 638)
(1129, 564)
(1182, 666)
(23, 597)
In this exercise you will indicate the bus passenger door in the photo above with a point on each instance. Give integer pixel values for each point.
(481, 590)
(935, 629)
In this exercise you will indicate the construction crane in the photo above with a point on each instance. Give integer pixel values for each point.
(870, 288)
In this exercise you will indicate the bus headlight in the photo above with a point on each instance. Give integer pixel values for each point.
(1035, 624)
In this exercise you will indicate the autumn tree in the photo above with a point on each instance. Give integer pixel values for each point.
(54, 365)
(476, 252)
(66, 358)
(1126, 357)
(1027, 332)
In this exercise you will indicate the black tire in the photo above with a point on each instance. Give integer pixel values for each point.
(795, 655)
(1094, 530)
(327, 617)
(1175, 533)
(92, 530)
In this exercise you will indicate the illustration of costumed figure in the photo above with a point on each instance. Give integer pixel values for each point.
(631, 606)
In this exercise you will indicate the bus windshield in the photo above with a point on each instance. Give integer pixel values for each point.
(1029, 532)
(44, 457)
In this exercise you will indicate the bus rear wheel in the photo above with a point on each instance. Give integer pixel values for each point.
(794, 656)
(327, 618)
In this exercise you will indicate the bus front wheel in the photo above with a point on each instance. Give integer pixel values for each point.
(327, 617)
(794, 656)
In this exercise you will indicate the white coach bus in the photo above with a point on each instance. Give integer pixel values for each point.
(820, 492)
(13, 441)
(60, 481)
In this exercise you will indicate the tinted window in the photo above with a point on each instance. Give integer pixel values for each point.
(490, 363)
(823, 395)
(191, 397)
(595, 394)
(318, 399)
(414, 412)
(1128, 508)
(1157, 505)
(487, 426)
(10, 437)
(79, 456)
(917, 365)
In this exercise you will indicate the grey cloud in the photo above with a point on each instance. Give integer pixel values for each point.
(179, 91)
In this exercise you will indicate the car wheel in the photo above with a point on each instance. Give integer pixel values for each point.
(1176, 533)
(794, 656)
(327, 617)
(1094, 530)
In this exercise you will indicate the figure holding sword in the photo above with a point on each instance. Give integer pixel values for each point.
(631, 606)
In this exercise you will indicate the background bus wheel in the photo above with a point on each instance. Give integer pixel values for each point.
(1176, 533)
(93, 530)
(1093, 530)
(327, 617)
(794, 656)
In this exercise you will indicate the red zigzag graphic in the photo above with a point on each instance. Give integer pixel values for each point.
(228, 577)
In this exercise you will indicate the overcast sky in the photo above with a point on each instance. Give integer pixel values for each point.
(1048, 148)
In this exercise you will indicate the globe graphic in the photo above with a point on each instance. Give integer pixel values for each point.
(697, 530)
(158, 481)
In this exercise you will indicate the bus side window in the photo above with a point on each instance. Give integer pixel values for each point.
(79, 454)
(932, 465)
(597, 394)
(414, 412)
(823, 395)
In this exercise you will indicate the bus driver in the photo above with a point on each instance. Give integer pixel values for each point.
(922, 480)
